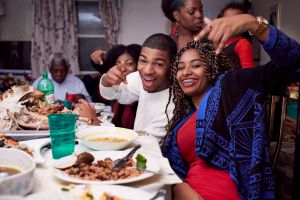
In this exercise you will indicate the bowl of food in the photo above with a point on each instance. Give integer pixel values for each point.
(16, 172)
(106, 138)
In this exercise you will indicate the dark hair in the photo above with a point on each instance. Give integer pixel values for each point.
(214, 66)
(243, 7)
(162, 42)
(116, 51)
(169, 6)
(58, 57)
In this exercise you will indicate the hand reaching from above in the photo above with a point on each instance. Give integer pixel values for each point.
(98, 56)
(220, 30)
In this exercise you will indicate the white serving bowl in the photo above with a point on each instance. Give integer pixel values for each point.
(89, 136)
(20, 183)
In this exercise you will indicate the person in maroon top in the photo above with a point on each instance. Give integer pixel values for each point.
(125, 58)
(238, 49)
(188, 16)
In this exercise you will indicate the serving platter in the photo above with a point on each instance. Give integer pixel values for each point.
(26, 134)
(152, 164)
(123, 192)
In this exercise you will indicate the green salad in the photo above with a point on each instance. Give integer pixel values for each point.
(141, 162)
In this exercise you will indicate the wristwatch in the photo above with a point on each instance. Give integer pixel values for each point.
(262, 26)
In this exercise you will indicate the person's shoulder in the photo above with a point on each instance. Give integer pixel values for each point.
(73, 78)
(35, 83)
(243, 41)
(134, 78)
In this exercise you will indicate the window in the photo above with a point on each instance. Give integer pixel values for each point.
(91, 32)
(15, 55)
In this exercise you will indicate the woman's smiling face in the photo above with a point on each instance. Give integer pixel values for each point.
(191, 75)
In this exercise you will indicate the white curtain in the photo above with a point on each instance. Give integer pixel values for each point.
(54, 30)
(110, 14)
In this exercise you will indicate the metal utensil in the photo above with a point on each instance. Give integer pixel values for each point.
(161, 192)
(159, 173)
(123, 160)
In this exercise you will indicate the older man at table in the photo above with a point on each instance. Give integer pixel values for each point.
(63, 81)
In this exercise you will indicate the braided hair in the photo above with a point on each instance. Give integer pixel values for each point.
(214, 66)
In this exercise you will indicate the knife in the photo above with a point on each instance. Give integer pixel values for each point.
(121, 163)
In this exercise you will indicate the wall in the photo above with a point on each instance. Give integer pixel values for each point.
(289, 22)
(140, 19)
(17, 21)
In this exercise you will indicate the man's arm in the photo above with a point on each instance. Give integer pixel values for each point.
(124, 93)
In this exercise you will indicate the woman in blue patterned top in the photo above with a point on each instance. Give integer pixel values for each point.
(216, 140)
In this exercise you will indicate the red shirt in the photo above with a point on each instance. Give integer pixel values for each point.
(244, 51)
(210, 183)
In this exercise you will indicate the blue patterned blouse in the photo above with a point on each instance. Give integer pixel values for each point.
(230, 127)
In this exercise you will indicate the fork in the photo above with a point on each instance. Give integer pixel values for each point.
(161, 192)
(159, 173)
(122, 161)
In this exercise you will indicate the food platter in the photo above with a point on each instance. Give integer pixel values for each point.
(152, 164)
(123, 192)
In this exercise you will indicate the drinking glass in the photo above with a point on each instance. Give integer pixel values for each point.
(62, 134)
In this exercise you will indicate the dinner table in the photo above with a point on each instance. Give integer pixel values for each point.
(47, 185)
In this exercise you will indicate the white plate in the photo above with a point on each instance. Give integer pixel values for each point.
(123, 192)
(152, 164)
(11, 197)
(26, 134)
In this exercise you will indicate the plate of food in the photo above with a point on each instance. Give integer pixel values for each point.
(105, 192)
(10, 143)
(22, 107)
(97, 168)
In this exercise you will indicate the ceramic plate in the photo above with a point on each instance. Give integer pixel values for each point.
(152, 164)
(123, 192)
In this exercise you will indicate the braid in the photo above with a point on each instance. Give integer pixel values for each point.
(214, 66)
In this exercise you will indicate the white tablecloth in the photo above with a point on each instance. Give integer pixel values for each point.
(46, 182)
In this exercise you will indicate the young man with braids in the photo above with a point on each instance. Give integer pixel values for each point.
(216, 140)
(148, 86)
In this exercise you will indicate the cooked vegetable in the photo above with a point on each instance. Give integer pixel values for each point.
(65, 189)
(141, 162)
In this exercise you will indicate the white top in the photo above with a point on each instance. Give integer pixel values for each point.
(150, 114)
(71, 85)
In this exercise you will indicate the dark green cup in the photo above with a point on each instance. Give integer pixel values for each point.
(62, 134)
(66, 103)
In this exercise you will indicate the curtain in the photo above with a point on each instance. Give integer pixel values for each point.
(54, 30)
(110, 14)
